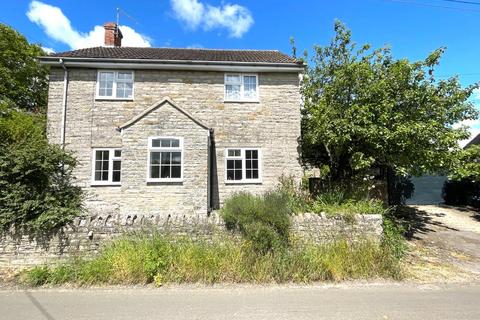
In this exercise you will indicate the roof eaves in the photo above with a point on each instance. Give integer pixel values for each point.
(164, 61)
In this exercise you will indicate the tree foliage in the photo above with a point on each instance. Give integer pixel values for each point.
(36, 189)
(364, 108)
(468, 166)
(23, 81)
(36, 182)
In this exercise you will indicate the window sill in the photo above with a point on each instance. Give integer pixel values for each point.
(165, 181)
(241, 101)
(105, 184)
(112, 99)
(243, 182)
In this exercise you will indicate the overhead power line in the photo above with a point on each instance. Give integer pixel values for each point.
(415, 3)
(458, 74)
(463, 1)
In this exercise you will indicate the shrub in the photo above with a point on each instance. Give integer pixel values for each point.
(263, 220)
(36, 182)
(263, 237)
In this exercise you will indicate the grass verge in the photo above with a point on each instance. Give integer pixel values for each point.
(163, 260)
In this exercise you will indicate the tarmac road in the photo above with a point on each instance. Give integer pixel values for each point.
(346, 301)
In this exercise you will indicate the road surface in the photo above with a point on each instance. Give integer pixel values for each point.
(347, 301)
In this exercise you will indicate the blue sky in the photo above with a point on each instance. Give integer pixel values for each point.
(413, 28)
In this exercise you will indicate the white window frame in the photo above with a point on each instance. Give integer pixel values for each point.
(244, 167)
(114, 87)
(242, 98)
(111, 158)
(165, 149)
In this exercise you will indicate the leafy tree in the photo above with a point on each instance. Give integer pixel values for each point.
(363, 108)
(36, 184)
(468, 166)
(23, 81)
(36, 189)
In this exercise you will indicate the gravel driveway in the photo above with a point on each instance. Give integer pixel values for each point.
(445, 243)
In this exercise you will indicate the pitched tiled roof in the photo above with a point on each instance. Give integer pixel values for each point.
(174, 54)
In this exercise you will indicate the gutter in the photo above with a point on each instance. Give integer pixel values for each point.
(64, 103)
(173, 64)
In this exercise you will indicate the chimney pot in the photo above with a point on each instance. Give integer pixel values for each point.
(113, 35)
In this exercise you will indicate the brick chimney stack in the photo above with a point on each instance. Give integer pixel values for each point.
(113, 35)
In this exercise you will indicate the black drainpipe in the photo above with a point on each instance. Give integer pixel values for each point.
(209, 171)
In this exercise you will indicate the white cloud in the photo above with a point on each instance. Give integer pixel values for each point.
(233, 17)
(189, 11)
(58, 27)
(48, 50)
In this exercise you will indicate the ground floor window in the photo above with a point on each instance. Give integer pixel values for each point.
(107, 166)
(242, 165)
(165, 159)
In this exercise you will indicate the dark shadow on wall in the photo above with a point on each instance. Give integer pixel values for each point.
(44, 240)
(214, 197)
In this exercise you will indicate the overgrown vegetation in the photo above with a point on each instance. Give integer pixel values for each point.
(393, 240)
(263, 220)
(36, 189)
(468, 165)
(162, 260)
(347, 209)
(266, 254)
(337, 201)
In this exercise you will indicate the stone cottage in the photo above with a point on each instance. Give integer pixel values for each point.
(174, 131)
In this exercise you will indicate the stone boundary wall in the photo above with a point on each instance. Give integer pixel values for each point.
(88, 234)
(319, 228)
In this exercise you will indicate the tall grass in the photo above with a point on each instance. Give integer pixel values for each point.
(163, 260)
(267, 253)
(337, 203)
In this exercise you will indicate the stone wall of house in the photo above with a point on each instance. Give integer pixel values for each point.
(272, 124)
(88, 234)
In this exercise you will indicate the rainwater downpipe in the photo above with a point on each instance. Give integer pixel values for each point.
(209, 171)
(64, 104)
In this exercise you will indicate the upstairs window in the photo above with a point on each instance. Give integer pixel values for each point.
(165, 159)
(241, 87)
(115, 85)
(242, 165)
(107, 166)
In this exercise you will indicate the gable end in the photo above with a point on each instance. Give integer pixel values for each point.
(157, 105)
